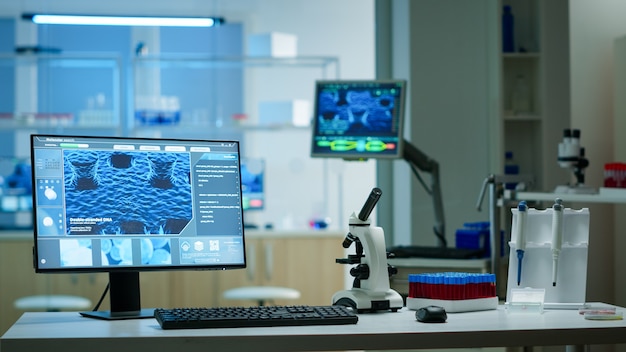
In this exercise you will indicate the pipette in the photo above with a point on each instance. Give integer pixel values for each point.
(557, 236)
(520, 240)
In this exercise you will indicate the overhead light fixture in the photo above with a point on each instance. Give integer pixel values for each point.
(97, 20)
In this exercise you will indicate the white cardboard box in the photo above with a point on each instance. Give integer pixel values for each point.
(296, 112)
(273, 44)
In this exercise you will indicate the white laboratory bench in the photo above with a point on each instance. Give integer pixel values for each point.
(374, 331)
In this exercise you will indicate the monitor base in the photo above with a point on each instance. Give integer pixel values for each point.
(107, 315)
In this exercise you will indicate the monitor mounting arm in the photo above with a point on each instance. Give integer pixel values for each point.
(417, 160)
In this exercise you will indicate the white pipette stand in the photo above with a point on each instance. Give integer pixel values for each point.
(565, 284)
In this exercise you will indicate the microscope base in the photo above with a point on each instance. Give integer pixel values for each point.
(367, 301)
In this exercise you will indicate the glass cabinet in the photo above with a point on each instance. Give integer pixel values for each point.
(266, 103)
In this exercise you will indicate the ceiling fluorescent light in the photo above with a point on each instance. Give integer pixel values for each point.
(93, 20)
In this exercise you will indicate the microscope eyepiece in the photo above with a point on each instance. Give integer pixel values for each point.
(370, 203)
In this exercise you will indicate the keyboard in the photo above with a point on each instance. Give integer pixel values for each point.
(258, 316)
(436, 252)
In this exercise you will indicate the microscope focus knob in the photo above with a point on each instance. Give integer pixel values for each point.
(392, 270)
(361, 271)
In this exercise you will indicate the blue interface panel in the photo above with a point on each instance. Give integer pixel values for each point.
(358, 119)
(108, 203)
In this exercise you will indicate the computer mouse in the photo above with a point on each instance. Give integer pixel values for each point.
(431, 314)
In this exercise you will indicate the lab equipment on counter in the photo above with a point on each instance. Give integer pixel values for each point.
(454, 291)
(540, 243)
(525, 300)
(615, 175)
(475, 235)
(572, 156)
(370, 290)
(597, 312)
(16, 200)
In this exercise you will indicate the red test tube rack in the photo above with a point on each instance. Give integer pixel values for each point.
(452, 285)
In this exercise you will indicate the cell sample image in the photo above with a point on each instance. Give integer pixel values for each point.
(75, 252)
(116, 251)
(49, 192)
(49, 222)
(119, 251)
(156, 251)
(126, 193)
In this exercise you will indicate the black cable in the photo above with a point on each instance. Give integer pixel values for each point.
(106, 290)
(421, 180)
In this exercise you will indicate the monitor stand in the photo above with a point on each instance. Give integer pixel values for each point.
(125, 299)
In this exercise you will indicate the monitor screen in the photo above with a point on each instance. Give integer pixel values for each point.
(253, 183)
(125, 205)
(358, 119)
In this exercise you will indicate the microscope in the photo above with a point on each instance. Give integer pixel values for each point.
(370, 290)
(572, 156)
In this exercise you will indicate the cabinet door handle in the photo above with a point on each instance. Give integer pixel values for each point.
(251, 261)
(269, 261)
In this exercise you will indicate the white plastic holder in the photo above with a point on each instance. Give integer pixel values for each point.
(526, 300)
(537, 263)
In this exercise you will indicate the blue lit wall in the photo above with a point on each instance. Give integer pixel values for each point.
(7, 73)
(220, 88)
(64, 89)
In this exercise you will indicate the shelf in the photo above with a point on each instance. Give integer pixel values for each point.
(520, 56)
(226, 129)
(533, 89)
(522, 117)
(49, 90)
(211, 94)
(204, 61)
(573, 197)
(214, 91)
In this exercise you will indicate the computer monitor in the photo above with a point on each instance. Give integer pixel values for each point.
(253, 183)
(357, 120)
(126, 205)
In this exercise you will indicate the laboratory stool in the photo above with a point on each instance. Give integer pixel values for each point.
(52, 303)
(261, 294)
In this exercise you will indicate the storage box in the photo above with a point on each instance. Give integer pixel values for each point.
(475, 235)
(273, 44)
(291, 112)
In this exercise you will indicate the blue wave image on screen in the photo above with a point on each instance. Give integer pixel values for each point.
(126, 192)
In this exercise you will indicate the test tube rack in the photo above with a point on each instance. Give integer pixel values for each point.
(454, 291)
(568, 291)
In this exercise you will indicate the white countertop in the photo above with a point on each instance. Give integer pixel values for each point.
(68, 331)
